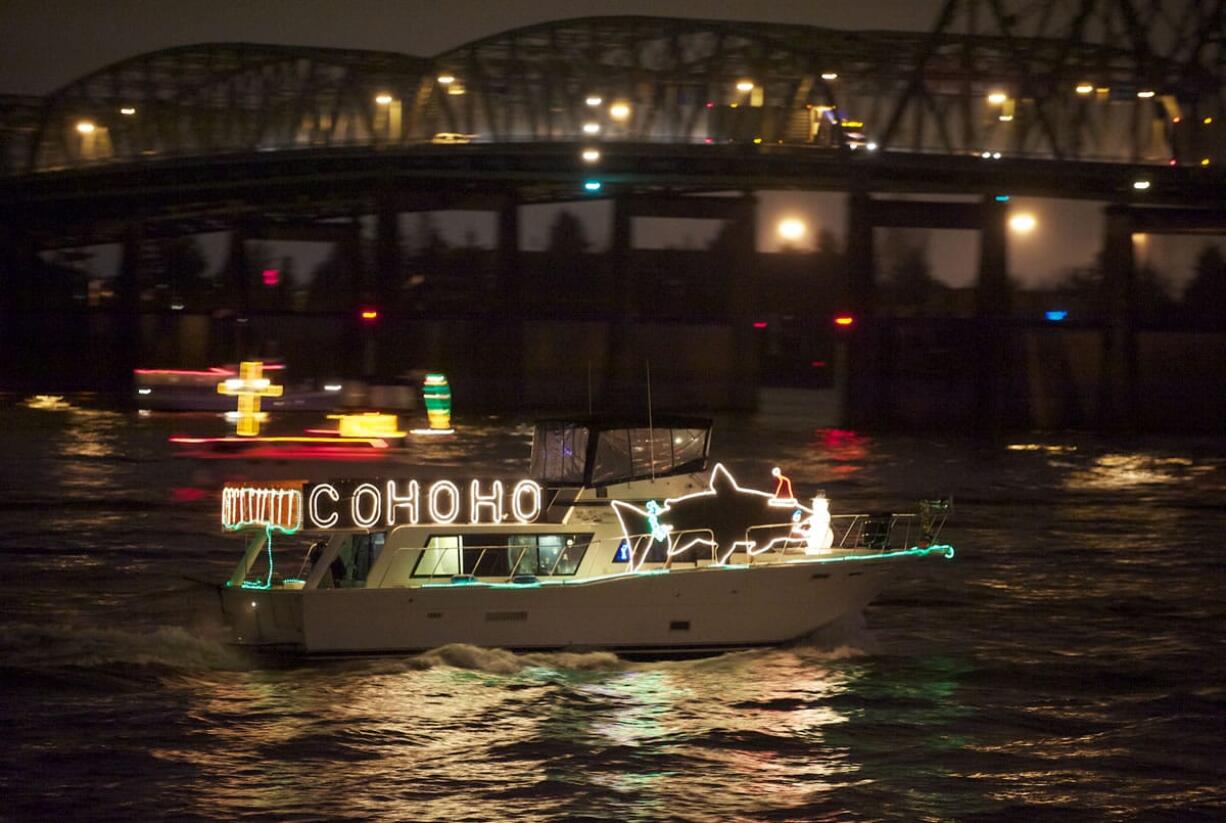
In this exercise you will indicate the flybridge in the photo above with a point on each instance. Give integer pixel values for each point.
(366, 504)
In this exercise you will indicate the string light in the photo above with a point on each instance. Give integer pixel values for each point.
(249, 387)
(478, 501)
(436, 491)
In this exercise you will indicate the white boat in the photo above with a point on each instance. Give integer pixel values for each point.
(621, 538)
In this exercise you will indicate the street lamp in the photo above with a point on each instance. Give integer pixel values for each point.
(85, 127)
(997, 98)
(744, 85)
(619, 111)
(590, 155)
(1023, 223)
(791, 229)
(383, 99)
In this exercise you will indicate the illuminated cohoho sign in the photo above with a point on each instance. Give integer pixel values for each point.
(380, 504)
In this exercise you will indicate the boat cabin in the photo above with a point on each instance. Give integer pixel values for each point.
(600, 451)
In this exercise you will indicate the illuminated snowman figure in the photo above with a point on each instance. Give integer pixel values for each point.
(819, 537)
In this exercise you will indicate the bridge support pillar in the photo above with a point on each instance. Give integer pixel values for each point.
(17, 262)
(861, 384)
(992, 379)
(127, 303)
(1119, 402)
(740, 298)
(503, 338)
(238, 288)
(384, 283)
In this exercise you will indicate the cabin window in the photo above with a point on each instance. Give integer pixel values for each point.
(625, 454)
(559, 454)
(441, 557)
(503, 555)
(354, 559)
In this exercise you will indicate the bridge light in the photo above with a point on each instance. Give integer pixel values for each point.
(1140, 185)
(1204, 161)
(844, 320)
(619, 111)
(1002, 198)
(1208, 121)
(997, 98)
(446, 79)
(591, 128)
(1102, 90)
(590, 155)
(1084, 88)
(1005, 118)
(1055, 315)
(830, 75)
(791, 228)
(85, 127)
(592, 185)
(369, 315)
(128, 111)
(744, 85)
(1023, 223)
(1145, 94)
(383, 99)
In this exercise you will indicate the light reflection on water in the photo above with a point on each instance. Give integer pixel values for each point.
(1067, 663)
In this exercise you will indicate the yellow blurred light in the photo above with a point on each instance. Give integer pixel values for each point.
(1145, 94)
(830, 75)
(1023, 223)
(757, 139)
(1208, 121)
(1085, 88)
(369, 424)
(456, 88)
(791, 228)
(619, 111)
(1102, 90)
(591, 128)
(85, 127)
(997, 98)
(127, 111)
(446, 79)
(1140, 185)
(1005, 118)
(590, 155)
(383, 99)
(594, 100)
(744, 85)
(1204, 161)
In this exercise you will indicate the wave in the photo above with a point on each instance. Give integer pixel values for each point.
(501, 661)
(41, 647)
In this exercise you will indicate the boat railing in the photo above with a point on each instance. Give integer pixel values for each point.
(881, 531)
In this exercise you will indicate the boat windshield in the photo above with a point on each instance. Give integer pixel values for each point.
(571, 453)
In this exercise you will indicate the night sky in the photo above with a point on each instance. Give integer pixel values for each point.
(49, 43)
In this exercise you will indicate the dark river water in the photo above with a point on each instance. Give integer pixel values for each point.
(1066, 665)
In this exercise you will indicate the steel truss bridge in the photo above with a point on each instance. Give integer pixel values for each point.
(1124, 81)
(1122, 101)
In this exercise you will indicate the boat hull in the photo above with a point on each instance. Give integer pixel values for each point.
(695, 611)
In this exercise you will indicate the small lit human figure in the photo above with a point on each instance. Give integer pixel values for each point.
(784, 496)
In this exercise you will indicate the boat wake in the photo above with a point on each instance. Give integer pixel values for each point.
(501, 661)
(32, 647)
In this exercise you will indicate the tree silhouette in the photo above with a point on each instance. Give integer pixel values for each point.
(1205, 295)
(567, 237)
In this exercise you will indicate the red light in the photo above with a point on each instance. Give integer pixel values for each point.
(759, 324)
(1172, 161)
(370, 315)
(818, 364)
(272, 277)
(844, 320)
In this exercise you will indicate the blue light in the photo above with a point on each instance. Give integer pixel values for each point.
(623, 553)
(592, 185)
(1056, 316)
(1002, 198)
